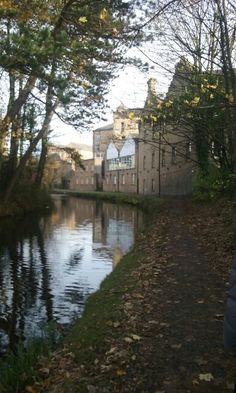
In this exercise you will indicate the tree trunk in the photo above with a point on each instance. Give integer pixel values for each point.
(15, 108)
(42, 161)
(29, 151)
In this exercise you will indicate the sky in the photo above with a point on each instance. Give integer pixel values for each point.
(129, 88)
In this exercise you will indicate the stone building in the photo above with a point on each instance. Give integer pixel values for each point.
(59, 168)
(121, 165)
(132, 156)
(162, 158)
(84, 178)
(125, 123)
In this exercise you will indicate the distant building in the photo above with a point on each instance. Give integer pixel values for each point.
(84, 179)
(86, 151)
(133, 156)
(121, 165)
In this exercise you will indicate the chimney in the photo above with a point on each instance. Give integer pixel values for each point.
(152, 87)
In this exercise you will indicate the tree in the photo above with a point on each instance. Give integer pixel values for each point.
(201, 102)
(63, 53)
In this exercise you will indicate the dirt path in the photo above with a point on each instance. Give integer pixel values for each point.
(170, 339)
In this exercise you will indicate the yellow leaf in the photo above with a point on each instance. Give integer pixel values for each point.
(131, 115)
(83, 19)
(195, 101)
(103, 14)
(153, 118)
(169, 103)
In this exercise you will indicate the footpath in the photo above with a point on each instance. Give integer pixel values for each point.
(166, 334)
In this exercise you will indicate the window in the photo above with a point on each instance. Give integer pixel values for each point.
(144, 162)
(153, 185)
(122, 127)
(123, 179)
(153, 159)
(133, 178)
(107, 179)
(114, 179)
(82, 181)
(173, 155)
(188, 150)
(163, 157)
(92, 180)
(87, 180)
(127, 162)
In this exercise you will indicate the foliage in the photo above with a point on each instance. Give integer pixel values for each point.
(61, 55)
(216, 184)
(27, 198)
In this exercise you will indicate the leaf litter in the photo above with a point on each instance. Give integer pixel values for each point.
(175, 309)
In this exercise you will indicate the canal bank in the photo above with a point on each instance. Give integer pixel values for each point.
(146, 203)
(24, 201)
(156, 323)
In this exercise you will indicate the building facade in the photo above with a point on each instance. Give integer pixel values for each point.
(133, 156)
(121, 166)
(84, 179)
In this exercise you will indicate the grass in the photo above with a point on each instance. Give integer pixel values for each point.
(17, 367)
(146, 203)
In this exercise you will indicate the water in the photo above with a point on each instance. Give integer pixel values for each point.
(49, 265)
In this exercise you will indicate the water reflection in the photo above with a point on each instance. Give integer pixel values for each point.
(49, 265)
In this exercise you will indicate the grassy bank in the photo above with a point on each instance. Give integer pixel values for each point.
(146, 203)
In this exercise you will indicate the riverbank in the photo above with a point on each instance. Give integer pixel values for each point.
(156, 323)
(25, 201)
(146, 203)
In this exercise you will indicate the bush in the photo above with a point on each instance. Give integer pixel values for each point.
(217, 183)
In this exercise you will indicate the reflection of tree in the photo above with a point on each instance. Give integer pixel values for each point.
(46, 292)
(17, 300)
(22, 276)
(75, 258)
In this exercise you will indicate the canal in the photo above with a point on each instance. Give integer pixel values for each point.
(50, 264)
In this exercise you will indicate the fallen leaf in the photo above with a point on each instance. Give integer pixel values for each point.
(128, 340)
(30, 389)
(206, 377)
(176, 346)
(120, 373)
(136, 337)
